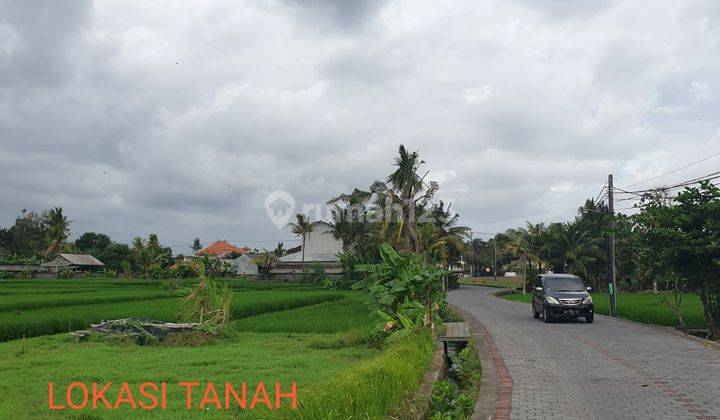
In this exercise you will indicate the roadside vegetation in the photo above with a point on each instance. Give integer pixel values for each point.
(648, 308)
(503, 282)
(671, 244)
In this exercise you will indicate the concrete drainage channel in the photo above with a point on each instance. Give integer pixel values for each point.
(495, 396)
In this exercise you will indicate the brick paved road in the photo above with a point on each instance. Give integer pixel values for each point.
(606, 370)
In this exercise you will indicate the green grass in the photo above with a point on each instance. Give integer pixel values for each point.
(35, 301)
(280, 332)
(504, 282)
(375, 388)
(328, 317)
(28, 366)
(33, 323)
(647, 308)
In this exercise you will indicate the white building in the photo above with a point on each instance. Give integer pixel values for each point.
(320, 246)
(244, 265)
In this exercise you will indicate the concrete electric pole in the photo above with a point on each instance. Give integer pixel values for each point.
(612, 284)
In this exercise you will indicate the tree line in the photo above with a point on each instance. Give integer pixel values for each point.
(672, 244)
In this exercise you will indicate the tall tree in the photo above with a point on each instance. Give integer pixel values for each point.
(697, 218)
(27, 237)
(112, 254)
(406, 188)
(196, 246)
(302, 228)
(58, 229)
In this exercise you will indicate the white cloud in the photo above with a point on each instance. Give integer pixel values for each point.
(178, 118)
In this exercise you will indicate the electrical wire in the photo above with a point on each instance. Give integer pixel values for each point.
(673, 171)
(708, 177)
(597, 199)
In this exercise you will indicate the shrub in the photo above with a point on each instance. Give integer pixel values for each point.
(26, 273)
(469, 371)
(448, 403)
(316, 275)
(404, 291)
(208, 303)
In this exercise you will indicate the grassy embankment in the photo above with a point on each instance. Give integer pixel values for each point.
(304, 335)
(504, 282)
(647, 308)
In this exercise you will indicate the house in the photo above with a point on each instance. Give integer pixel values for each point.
(73, 262)
(223, 249)
(244, 265)
(320, 247)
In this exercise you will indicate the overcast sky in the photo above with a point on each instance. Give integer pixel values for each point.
(179, 118)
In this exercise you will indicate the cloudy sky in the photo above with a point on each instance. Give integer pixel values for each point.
(179, 118)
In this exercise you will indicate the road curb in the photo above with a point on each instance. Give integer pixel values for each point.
(495, 396)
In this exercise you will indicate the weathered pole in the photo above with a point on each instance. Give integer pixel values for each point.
(612, 283)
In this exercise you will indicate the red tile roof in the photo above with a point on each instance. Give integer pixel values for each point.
(222, 248)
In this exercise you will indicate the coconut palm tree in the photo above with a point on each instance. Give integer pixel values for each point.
(442, 236)
(58, 228)
(407, 189)
(302, 228)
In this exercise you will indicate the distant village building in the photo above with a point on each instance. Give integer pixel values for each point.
(244, 265)
(73, 262)
(320, 247)
(223, 249)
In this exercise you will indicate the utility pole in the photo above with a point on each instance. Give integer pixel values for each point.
(472, 247)
(494, 260)
(612, 284)
(524, 265)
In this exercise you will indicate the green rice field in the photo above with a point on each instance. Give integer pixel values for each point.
(280, 332)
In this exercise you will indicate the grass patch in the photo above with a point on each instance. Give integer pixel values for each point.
(504, 282)
(35, 301)
(38, 322)
(327, 317)
(281, 332)
(647, 308)
(375, 388)
(250, 357)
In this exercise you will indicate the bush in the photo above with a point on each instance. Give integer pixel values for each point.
(469, 371)
(208, 304)
(454, 398)
(447, 402)
(316, 275)
(405, 293)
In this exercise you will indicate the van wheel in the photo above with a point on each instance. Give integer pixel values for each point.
(546, 315)
(589, 319)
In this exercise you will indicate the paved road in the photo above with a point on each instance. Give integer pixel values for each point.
(607, 370)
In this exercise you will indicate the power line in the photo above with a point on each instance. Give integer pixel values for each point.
(673, 171)
(708, 177)
(597, 199)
